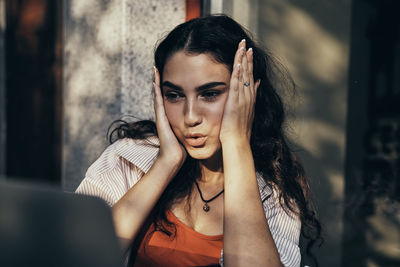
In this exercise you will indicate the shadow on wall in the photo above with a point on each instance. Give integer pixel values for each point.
(91, 89)
(108, 59)
(311, 38)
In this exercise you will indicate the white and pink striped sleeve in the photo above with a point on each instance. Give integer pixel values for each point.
(118, 168)
(285, 226)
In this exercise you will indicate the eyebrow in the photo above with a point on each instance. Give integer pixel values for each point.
(199, 88)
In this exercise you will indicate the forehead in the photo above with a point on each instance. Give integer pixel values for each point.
(194, 68)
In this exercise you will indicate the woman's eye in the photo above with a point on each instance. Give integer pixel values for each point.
(210, 95)
(173, 96)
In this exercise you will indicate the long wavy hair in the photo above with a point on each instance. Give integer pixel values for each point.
(218, 36)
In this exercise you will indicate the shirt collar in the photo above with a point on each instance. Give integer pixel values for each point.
(263, 187)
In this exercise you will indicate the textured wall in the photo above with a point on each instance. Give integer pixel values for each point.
(312, 39)
(108, 49)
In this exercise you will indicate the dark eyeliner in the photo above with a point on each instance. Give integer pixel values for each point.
(211, 94)
(172, 95)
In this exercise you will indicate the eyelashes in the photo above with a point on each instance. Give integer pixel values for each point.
(208, 95)
(172, 96)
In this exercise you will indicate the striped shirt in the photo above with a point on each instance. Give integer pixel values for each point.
(124, 162)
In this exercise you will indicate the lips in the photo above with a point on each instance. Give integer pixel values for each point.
(195, 139)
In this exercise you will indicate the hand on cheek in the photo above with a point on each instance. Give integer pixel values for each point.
(170, 148)
(239, 107)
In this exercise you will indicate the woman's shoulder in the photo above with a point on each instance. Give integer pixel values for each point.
(139, 152)
(118, 168)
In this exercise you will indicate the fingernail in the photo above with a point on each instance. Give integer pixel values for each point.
(243, 40)
(250, 49)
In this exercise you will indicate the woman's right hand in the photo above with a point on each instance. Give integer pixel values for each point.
(171, 151)
(131, 211)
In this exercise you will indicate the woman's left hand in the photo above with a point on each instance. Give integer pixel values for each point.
(243, 209)
(239, 107)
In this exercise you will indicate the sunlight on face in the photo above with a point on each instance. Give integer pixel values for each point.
(195, 89)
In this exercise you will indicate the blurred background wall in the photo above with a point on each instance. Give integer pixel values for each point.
(31, 107)
(107, 71)
(2, 88)
(372, 205)
(72, 67)
(312, 39)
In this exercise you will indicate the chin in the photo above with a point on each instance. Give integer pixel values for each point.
(201, 153)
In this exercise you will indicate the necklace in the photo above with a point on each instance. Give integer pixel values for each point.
(206, 207)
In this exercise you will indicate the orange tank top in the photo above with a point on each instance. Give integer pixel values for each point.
(187, 248)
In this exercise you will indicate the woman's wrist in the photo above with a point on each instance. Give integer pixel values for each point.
(169, 164)
(238, 141)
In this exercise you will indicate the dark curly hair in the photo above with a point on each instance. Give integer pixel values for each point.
(218, 36)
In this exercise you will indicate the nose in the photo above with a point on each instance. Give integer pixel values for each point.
(192, 114)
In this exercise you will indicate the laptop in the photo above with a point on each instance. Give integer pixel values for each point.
(43, 226)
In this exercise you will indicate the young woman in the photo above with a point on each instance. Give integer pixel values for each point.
(213, 180)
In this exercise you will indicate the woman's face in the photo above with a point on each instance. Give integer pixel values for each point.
(195, 89)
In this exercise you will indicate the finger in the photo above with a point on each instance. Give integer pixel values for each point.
(235, 69)
(245, 64)
(253, 87)
(249, 55)
(158, 104)
(246, 80)
(156, 76)
(234, 84)
(238, 55)
(162, 123)
(240, 78)
(156, 90)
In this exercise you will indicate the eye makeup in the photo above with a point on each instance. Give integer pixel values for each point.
(173, 95)
(209, 95)
(199, 88)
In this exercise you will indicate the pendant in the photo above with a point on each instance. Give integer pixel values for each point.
(206, 208)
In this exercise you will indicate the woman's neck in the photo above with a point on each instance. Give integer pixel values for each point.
(212, 171)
